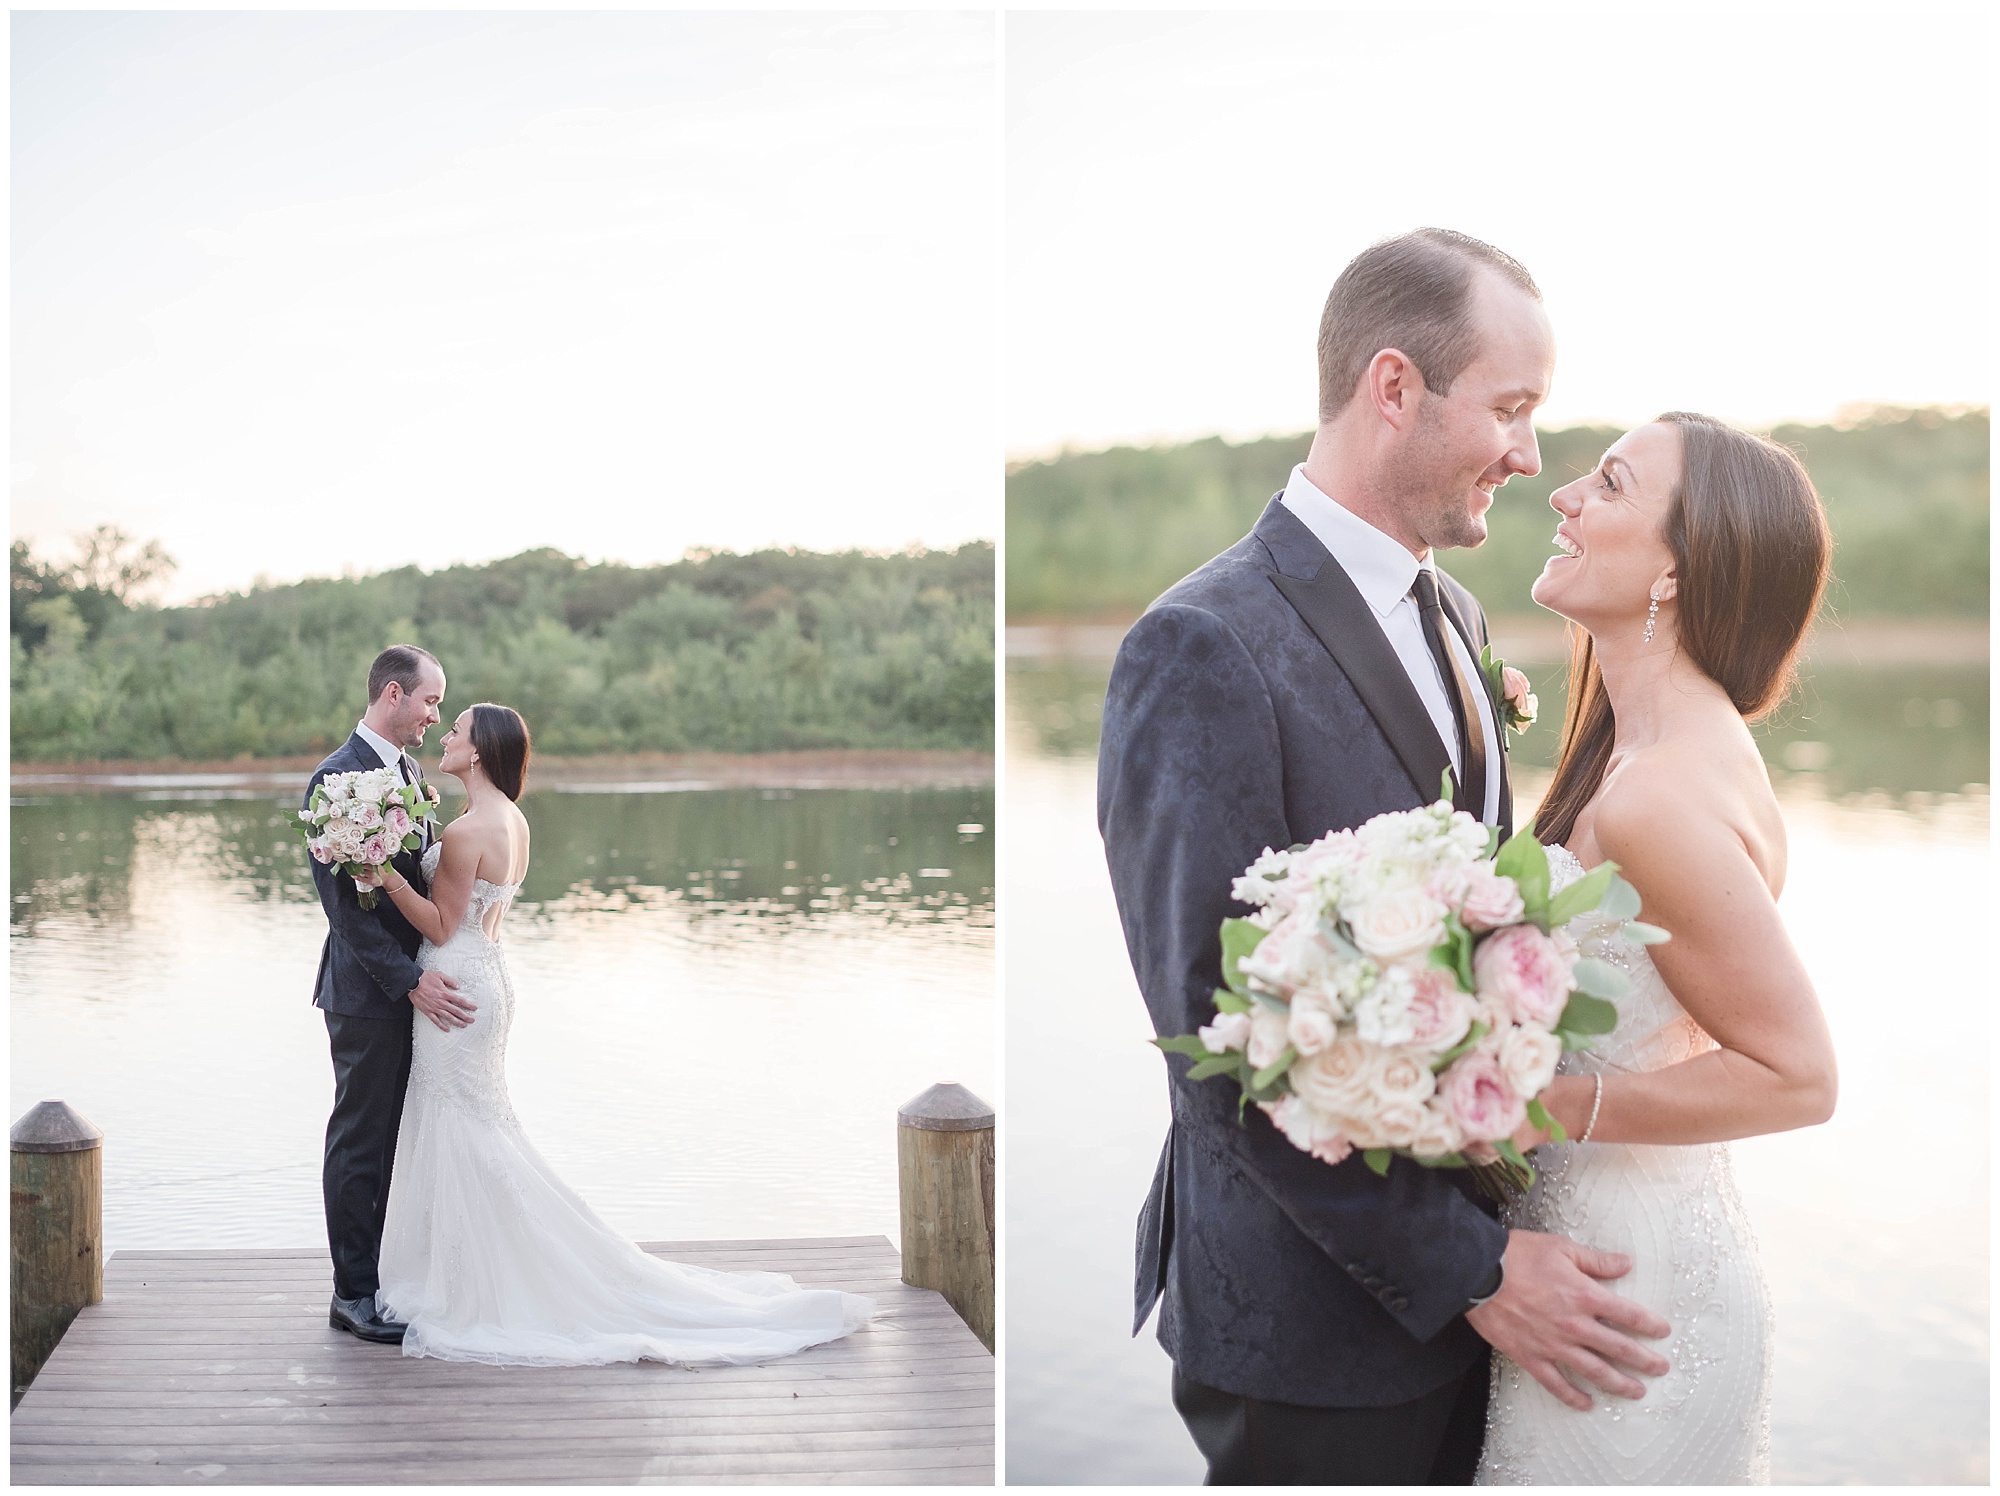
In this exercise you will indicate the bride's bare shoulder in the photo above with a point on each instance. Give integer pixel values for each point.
(1685, 804)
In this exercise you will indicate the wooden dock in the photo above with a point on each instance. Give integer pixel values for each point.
(219, 1367)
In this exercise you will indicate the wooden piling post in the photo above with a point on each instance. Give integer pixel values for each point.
(944, 1158)
(57, 1262)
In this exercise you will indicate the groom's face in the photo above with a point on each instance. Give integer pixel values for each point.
(417, 711)
(1468, 442)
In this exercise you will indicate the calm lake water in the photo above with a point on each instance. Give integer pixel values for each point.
(724, 996)
(1873, 1228)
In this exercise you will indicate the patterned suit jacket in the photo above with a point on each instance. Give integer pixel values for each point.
(1257, 703)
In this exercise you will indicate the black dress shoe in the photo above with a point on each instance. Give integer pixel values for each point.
(360, 1318)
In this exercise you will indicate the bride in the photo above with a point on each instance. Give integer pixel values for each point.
(1693, 559)
(486, 1254)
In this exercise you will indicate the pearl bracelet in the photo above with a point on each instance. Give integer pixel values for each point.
(1596, 1102)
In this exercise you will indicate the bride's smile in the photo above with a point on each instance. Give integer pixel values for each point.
(1611, 556)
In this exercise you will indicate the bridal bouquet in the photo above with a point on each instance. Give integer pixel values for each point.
(1402, 989)
(360, 820)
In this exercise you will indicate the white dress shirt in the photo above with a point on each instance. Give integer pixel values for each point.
(1383, 570)
(388, 752)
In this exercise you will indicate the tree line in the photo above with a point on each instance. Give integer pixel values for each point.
(1100, 534)
(764, 651)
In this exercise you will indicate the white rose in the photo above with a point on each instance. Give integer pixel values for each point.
(1311, 1027)
(1267, 1035)
(1438, 1135)
(1399, 1122)
(1338, 1079)
(1229, 1031)
(1491, 899)
(1528, 1058)
(1403, 1077)
(1398, 925)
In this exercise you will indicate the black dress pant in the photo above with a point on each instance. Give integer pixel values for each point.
(1431, 1441)
(371, 1071)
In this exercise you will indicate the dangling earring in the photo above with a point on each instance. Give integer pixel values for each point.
(1652, 613)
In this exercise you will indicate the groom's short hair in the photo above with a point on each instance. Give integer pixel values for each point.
(1413, 293)
(401, 663)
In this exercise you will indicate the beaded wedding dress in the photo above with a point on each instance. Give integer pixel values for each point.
(1676, 1213)
(488, 1256)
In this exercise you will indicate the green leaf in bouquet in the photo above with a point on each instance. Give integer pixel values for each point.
(1330, 929)
(1621, 899)
(1464, 1046)
(1586, 1014)
(1601, 979)
(411, 842)
(1641, 933)
(1187, 1044)
(408, 795)
(1492, 842)
(1282, 1086)
(1377, 1159)
(1506, 1149)
(1272, 1001)
(1524, 860)
(1226, 1063)
(1228, 1002)
(1545, 1119)
(1444, 786)
(1583, 895)
(1274, 1070)
(1455, 955)
(1239, 939)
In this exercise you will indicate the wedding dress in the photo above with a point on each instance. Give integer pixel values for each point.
(1676, 1213)
(488, 1256)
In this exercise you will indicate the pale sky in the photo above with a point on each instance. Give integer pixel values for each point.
(295, 293)
(1758, 214)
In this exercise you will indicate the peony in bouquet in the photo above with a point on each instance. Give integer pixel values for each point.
(358, 821)
(1402, 989)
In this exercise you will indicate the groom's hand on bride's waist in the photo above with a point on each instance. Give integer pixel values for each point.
(1552, 1314)
(436, 997)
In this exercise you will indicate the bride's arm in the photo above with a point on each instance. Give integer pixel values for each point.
(437, 917)
(1731, 965)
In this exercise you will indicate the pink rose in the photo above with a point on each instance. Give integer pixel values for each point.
(1476, 1092)
(1400, 925)
(1528, 1058)
(365, 815)
(1306, 1131)
(1440, 1012)
(1267, 1036)
(1311, 1027)
(1527, 972)
(376, 849)
(1229, 1031)
(1520, 698)
(1491, 899)
(320, 850)
(396, 821)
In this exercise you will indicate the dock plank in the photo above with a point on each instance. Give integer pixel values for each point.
(218, 1367)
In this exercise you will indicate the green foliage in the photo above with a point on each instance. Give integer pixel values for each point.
(767, 651)
(1103, 533)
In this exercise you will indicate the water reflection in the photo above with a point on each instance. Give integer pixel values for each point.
(1850, 729)
(724, 996)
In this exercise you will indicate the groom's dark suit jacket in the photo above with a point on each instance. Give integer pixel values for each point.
(369, 962)
(1258, 704)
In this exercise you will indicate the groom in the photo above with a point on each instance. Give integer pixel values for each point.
(368, 982)
(1327, 1325)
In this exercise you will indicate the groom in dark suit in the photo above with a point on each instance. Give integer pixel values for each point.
(1328, 1325)
(368, 982)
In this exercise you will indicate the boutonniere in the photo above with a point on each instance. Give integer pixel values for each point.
(1510, 691)
(431, 791)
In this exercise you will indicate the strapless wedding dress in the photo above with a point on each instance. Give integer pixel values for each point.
(488, 1256)
(1676, 1212)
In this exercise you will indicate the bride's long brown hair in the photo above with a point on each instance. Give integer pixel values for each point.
(1751, 555)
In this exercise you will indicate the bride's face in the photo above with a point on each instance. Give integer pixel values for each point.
(1611, 555)
(457, 745)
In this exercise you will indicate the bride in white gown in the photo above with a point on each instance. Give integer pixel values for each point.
(486, 1254)
(1694, 557)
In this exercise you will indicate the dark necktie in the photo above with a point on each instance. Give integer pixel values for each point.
(1469, 792)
